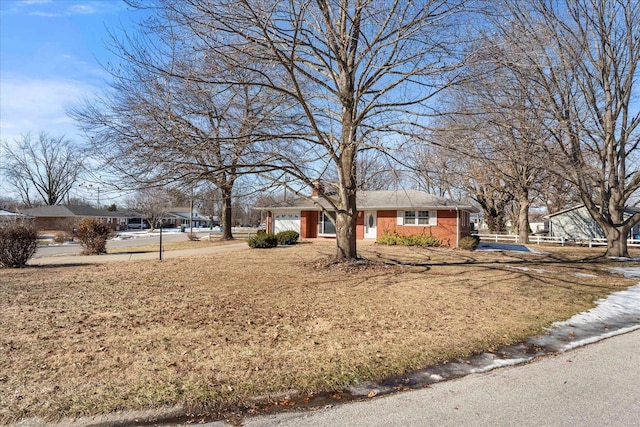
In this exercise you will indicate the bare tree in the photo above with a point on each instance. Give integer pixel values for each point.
(374, 171)
(580, 58)
(556, 193)
(434, 168)
(41, 170)
(152, 204)
(356, 70)
(162, 122)
(498, 131)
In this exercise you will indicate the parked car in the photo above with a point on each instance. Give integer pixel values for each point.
(136, 226)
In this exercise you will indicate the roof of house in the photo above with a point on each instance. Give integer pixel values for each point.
(184, 213)
(65, 211)
(628, 210)
(9, 214)
(380, 200)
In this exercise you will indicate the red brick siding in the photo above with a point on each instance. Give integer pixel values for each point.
(308, 224)
(360, 226)
(269, 222)
(445, 230)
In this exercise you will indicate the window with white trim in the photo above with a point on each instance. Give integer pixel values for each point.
(325, 225)
(417, 217)
(465, 219)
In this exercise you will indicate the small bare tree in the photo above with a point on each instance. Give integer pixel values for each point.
(42, 169)
(152, 203)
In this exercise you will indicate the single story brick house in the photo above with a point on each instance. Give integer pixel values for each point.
(401, 211)
(67, 217)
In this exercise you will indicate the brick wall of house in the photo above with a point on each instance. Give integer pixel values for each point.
(55, 224)
(445, 230)
(308, 224)
(269, 222)
(360, 226)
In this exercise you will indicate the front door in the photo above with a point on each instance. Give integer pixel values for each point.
(370, 223)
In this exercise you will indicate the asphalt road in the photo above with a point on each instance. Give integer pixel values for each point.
(73, 248)
(596, 385)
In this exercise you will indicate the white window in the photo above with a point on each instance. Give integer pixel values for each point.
(417, 217)
(327, 227)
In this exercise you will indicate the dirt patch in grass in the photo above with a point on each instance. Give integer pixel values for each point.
(224, 329)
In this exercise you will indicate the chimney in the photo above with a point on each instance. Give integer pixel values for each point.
(317, 189)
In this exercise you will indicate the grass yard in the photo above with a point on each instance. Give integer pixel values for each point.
(173, 246)
(225, 329)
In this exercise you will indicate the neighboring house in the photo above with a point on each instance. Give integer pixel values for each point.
(8, 217)
(130, 220)
(67, 217)
(179, 217)
(403, 211)
(539, 227)
(576, 224)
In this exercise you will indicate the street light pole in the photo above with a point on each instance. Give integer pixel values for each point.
(160, 239)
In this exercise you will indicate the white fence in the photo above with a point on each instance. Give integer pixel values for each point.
(514, 238)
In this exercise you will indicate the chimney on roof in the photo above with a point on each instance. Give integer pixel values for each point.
(318, 188)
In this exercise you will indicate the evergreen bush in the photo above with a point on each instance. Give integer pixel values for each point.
(289, 237)
(263, 241)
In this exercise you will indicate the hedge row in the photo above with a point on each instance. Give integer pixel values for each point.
(394, 238)
(269, 240)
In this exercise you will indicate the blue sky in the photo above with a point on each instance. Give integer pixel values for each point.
(50, 55)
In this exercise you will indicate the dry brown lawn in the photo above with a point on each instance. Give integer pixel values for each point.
(173, 246)
(227, 328)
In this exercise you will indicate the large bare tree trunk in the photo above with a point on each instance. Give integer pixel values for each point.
(616, 242)
(346, 231)
(226, 213)
(523, 219)
(347, 215)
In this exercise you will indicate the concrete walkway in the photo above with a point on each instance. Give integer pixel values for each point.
(123, 257)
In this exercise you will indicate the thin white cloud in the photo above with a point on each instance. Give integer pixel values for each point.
(32, 2)
(82, 9)
(56, 9)
(32, 105)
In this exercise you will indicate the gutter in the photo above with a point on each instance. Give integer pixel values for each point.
(457, 227)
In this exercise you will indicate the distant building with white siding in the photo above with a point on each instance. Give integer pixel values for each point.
(576, 224)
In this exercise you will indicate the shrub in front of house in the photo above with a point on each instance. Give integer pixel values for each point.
(422, 240)
(263, 241)
(62, 237)
(18, 243)
(469, 243)
(93, 235)
(289, 237)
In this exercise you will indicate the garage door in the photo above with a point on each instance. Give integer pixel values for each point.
(285, 221)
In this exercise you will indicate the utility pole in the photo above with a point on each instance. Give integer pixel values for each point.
(191, 212)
